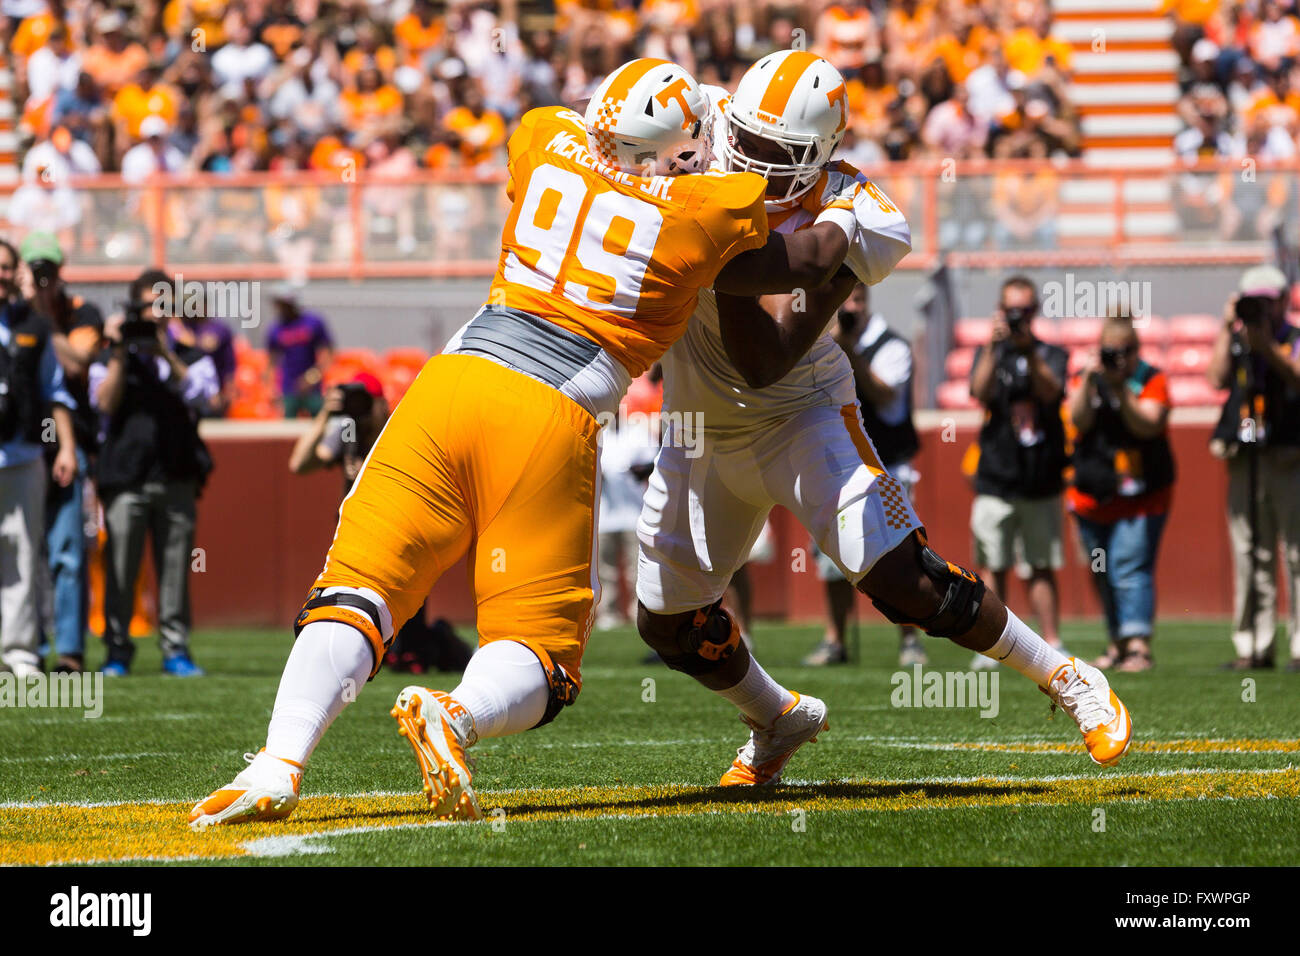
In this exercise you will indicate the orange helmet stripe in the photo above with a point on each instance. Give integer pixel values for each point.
(781, 86)
(628, 76)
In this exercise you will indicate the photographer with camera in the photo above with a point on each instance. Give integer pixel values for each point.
(343, 431)
(1123, 486)
(341, 436)
(1016, 517)
(152, 465)
(882, 373)
(75, 327)
(35, 410)
(1257, 357)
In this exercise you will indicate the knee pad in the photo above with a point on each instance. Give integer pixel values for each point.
(962, 591)
(563, 689)
(703, 645)
(351, 609)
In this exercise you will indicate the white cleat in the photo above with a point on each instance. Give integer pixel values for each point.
(267, 789)
(430, 720)
(1083, 692)
(763, 758)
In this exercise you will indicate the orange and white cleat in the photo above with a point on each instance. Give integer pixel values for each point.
(431, 722)
(1083, 692)
(769, 749)
(267, 789)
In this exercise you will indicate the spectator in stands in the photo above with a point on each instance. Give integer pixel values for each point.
(882, 371)
(1257, 357)
(1024, 200)
(153, 154)
(35, 398)
(1016, 517)
(74, 327)
(1123, 486)
(114, 59)
(152, 465)
(301, 348)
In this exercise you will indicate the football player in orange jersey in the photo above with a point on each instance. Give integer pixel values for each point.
(613, 230)
(782, 425)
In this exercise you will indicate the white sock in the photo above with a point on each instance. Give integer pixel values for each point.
(504, 689)
(758, 697)
(1021, 649)
(329, 664)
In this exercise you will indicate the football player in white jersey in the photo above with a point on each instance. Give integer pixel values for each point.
(780, 424)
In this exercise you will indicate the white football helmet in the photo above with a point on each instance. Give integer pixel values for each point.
(650, 118)
(796, 100)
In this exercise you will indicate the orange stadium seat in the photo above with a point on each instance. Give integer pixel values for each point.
(955, 394)
(1152, 330)
(1154, 355)
(1193, 329)
(972, 332)
(406, 358)
(1188, 359)
(1193, 390)
(1079, 332)
(958, 363)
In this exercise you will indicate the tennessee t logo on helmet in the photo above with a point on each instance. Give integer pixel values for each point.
(650, 117)
(796, 100)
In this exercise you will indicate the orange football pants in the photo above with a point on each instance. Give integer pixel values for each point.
(482, 460)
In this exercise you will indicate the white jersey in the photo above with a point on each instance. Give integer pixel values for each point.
(698, 376)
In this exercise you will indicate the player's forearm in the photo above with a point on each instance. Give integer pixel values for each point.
(807, 259)
(765, 338)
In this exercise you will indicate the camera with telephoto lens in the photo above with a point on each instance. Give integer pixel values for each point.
(44, 272)
(358, 403)
(1018, 317)
(1111, 358)
(139, 329)
(1252, 308)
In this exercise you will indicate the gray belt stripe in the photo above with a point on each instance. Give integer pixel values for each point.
(527, 343)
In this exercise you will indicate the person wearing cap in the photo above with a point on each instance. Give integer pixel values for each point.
(1122, 486)
(151, 467)
(1257, 358)
(153, 154)
(301, 348)
(114, 58)
(342, 432)
(35, 411)
(75, 327)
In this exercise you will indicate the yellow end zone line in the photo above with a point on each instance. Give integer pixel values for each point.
(1190, 746)
(65, 833)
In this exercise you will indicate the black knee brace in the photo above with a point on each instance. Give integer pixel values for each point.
(962, 594)
(351, 609)
(703, 645)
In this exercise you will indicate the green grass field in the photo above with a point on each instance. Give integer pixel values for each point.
(624, 779)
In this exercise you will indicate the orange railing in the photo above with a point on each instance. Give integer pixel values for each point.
(440, 224)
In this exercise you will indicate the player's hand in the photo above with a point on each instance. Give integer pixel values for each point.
(65, 466)
(1230, 312)
(334, 401)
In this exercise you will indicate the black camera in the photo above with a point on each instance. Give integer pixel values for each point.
(139, 328)
(44, 272)
(1112, 357)
(1018, 317)
(358, 403)
(1253, 308)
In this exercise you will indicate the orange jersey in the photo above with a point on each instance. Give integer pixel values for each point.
(617, 258)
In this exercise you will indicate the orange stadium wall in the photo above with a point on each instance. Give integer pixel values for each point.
(264, 533)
